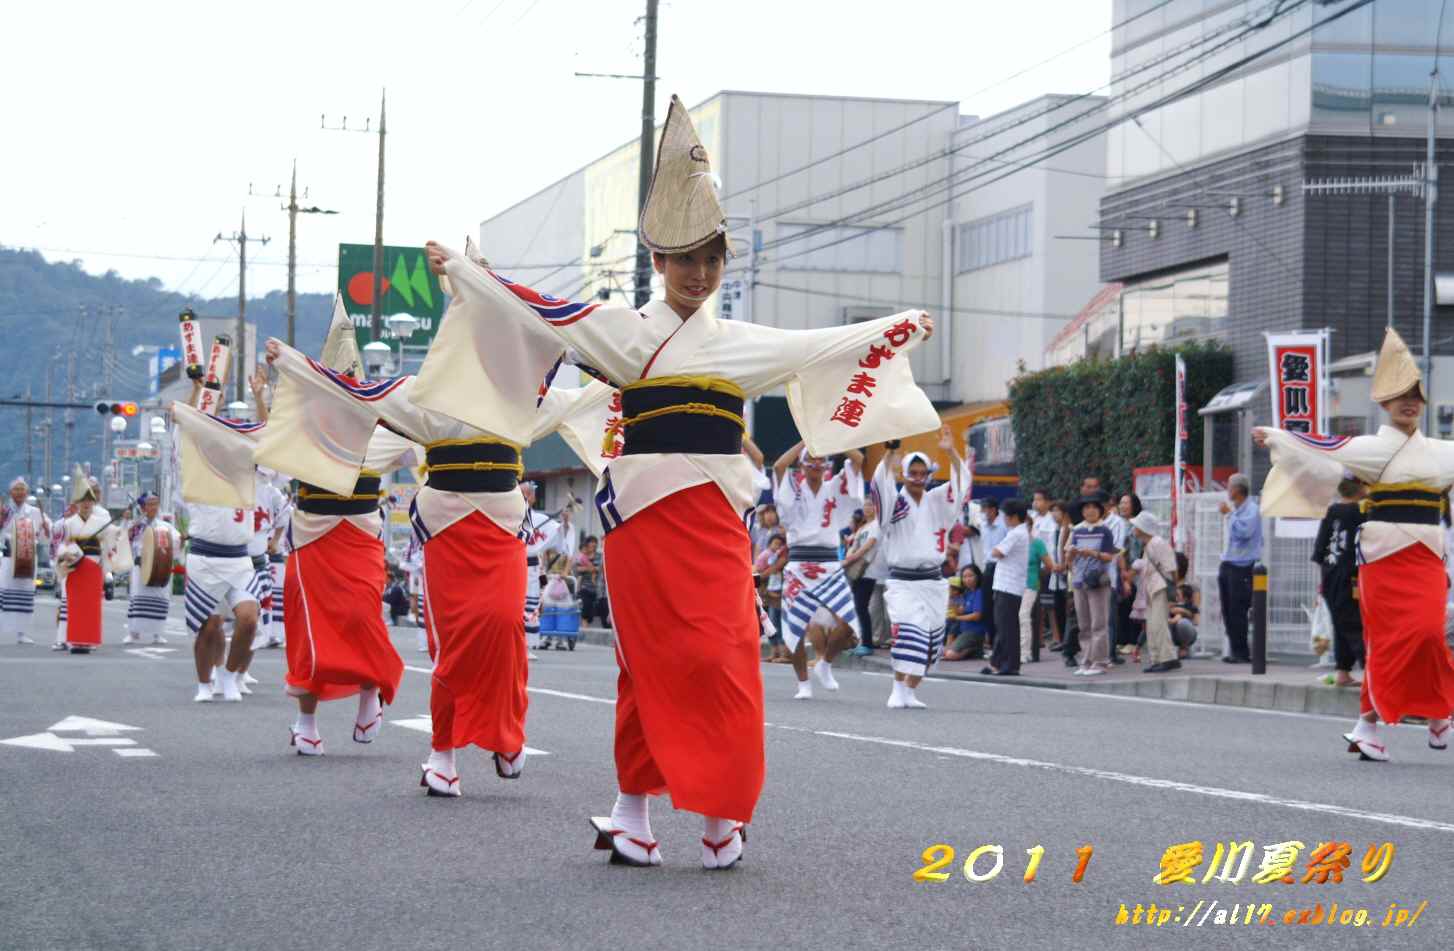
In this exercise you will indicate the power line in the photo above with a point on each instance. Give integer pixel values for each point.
(936, 308)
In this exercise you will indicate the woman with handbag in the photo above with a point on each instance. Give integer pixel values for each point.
(1091, 550)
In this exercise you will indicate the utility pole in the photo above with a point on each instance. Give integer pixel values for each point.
(107, 359)
(29, 454)
(1431, 198)
(376, 321)
(293, 210)
(70, 418)
(241, 238)
(50, 421)
(648, 136)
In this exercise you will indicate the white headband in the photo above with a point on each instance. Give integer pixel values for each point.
(920, 457)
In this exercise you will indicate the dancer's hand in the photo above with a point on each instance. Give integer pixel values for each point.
(926, 323)
(438, 256)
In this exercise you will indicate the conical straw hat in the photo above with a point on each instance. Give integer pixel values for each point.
(1397, 372)
(340, 347)
(682, 211)
(82, 487)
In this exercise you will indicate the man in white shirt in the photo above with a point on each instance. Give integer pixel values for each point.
(1120, 527)
(1012, 555)
(992, 530)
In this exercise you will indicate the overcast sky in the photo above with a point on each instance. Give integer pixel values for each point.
(134, 130)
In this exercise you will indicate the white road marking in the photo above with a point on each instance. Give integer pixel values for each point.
(40, 741)
(98, 733)
(424, 724)
(539, 690)
(1214, 792)
(1148, 782)
(92, 727)
(151, 653)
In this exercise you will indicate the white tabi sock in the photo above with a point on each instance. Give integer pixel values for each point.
(368, 706)
(442, 762)
(630, 815)
(805, 690)
(1364, 730)
(716, 829)
(307, 725)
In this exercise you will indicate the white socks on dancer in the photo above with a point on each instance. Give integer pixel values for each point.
(370, 720)
(305, 735)
(204, 693)
(442, 761)
(903, 697)
(805, 689)
(629, 814)
(721, 848)
(823, 671)
(230, 691)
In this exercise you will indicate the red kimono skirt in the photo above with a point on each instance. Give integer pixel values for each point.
(689, 712)
(83, 604)
(474, 608)
(1408, 671)
(336, 638)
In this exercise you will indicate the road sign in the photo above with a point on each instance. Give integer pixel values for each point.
(407, 285)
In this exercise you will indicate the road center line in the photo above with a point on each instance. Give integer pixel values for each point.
(1214, 792)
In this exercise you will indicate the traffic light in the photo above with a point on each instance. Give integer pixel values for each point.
(107, 408)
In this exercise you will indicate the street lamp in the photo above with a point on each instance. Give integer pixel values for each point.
(403, 327)
(118, 424)
(158, 426)
(376, 356)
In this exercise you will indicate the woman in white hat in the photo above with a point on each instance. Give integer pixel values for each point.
(1157, 570)
(689, 715)
(1408, 669)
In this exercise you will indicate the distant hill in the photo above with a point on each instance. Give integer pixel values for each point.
(47, 308)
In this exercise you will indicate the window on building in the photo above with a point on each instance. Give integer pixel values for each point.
(993, 240)
(844, 248)
(1174, 308)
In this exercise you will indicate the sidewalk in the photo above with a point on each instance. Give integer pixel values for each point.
(1289, 685)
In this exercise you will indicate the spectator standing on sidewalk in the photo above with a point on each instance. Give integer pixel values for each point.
(1156, 570)
(1092, 549)
(861, 556)
(1120, 527)
(586, 566)
(1242, 550)
(992, 531)
(1038, 567)
(1011, 559)
(1336, 554)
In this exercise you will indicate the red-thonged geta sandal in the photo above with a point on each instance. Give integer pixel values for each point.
(624, 848)
(727, 852)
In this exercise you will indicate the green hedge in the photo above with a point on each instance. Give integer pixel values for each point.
(1108, 418)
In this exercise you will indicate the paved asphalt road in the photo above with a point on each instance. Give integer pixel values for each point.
(224, 838)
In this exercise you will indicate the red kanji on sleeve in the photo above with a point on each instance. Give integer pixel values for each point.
(877, 354)
(862, 384)
(849, 412)
(899, 333)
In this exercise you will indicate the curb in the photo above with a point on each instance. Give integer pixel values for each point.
(1254, 694)
(1217, 691)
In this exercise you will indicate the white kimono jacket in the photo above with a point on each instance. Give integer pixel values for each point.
(217, 458)
(1306, 470)
(916, 534)
(846, 386)
(321, 421)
